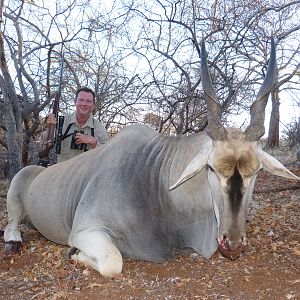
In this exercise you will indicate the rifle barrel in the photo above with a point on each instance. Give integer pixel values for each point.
(50, 136)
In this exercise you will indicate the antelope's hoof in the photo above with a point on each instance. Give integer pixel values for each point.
(73, 251)
(12, 247)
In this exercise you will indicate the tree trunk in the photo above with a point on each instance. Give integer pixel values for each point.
(14, 140)
(11, 115)
(273, 136)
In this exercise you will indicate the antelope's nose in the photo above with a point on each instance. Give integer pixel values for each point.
(231, 249)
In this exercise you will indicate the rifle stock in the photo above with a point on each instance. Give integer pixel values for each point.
(50, 137)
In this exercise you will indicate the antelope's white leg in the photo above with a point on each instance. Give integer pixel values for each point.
(12, 234)
(97, 250)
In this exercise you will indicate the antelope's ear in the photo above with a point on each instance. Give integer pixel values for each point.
(273, 166)
(194, 167)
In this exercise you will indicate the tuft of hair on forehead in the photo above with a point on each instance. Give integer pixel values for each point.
(248, 163)
(236, 154)
(226, 165)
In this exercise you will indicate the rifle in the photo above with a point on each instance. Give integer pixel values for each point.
(51, 138)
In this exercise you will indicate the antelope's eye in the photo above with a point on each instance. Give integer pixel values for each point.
(210, 168)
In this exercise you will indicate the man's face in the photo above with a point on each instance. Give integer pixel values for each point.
(84, 103)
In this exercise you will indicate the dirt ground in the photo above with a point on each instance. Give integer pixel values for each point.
(268, 269)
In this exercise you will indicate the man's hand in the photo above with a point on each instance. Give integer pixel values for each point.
(81, 138)
(50, 120)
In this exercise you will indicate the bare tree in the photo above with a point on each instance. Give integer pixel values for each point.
(28, 50)
(11, 112)
(237, 36)
(31, 43)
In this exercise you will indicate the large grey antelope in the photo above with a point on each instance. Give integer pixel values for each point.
(148, 196)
